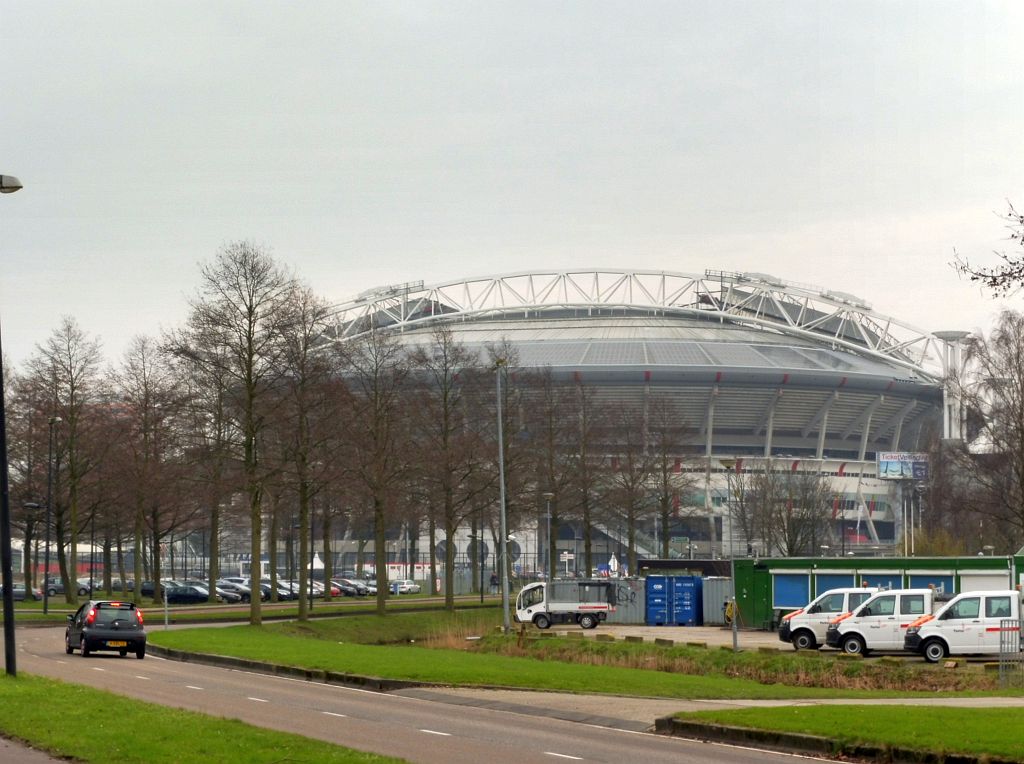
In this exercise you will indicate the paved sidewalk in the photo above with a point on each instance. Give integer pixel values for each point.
(639, 714)
(13, 752)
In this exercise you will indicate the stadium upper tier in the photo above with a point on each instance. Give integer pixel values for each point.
(754, 365)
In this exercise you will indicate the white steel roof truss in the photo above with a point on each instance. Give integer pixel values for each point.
(661, 291)
(864, 416)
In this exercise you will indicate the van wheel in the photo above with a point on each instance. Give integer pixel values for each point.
(541, 621)
(935, 650)
(854, 645)
(588, 622)
(804, 640)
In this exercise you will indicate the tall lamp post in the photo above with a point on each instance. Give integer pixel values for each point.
(729, 464)
(499, 364)
(548, 496)
(8, 185)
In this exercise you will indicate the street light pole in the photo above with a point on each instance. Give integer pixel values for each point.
(548, 496)
(8, 184)
(506, 624)
(728, 464)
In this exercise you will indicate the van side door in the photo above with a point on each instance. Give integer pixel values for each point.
(998, 608)
(962, 625)
(912, 607)
(880, 626)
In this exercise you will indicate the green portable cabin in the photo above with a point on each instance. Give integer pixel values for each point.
(768, 588)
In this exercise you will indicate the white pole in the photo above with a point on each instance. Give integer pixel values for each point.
(506, 623)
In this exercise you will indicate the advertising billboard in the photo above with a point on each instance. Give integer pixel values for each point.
(902, 465)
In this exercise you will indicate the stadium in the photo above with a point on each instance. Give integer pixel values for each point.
(758, 370)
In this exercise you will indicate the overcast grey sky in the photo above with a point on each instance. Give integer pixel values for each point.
(852, 145)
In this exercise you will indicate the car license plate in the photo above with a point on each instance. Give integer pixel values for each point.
(117, 643)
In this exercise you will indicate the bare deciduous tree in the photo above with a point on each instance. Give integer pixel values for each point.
(376, 368)
(70, 362)
(236, 324)
(1006, 278)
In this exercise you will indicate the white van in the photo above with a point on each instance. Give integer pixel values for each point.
(881, 622)
(972, 623)
(806, 628)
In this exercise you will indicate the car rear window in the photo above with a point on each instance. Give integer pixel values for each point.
(108, 612)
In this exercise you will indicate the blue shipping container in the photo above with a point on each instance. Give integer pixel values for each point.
(656, 591)
(674, 600)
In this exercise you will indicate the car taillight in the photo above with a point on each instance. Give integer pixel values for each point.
(91, 617)
(139, 614)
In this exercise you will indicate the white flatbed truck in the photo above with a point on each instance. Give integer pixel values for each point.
(582, 601)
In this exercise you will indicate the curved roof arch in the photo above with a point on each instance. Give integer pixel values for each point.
(756, 300)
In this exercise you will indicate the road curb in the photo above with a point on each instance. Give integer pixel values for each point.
(791, 742)
(310, 675)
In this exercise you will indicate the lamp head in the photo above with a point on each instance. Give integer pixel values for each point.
(9, 184)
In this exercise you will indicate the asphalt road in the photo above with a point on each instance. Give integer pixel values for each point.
(428, 728)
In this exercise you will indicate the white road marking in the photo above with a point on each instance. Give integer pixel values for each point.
(94, 668)
(142, 677)
(259, 700)
(563, 755)
(192, 687)
(435, 732)
(331, 713)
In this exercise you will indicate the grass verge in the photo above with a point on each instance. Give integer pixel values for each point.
(95, 726)
(977, 731)
(333, 646)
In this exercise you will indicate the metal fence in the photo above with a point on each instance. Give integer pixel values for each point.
(1011, 662)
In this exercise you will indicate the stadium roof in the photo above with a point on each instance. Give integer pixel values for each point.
(756, 364)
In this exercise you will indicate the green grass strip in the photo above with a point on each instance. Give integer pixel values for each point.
(96, 726)
(275, 645)
(978, 731)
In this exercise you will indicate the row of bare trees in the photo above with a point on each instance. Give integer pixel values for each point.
(249, 415)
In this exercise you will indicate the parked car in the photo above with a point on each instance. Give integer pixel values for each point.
(224, 595)
(351, 587)
(186, 595)
(283, 592)
(264, 589)
(56, 586)
(244, 592)
(106, 625)
(404, 586)
(346, 588)
(21, 593)
(147, 590)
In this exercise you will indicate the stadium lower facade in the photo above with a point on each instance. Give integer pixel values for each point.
(758, 372)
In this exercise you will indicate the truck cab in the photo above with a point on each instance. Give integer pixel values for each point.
(972, 623)
(881, 622)
(805, 628)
